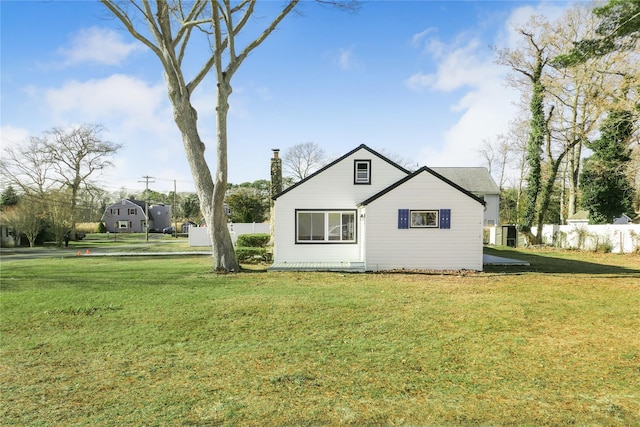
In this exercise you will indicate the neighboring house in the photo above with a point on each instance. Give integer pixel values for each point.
(363, 212)
(128, 216)
(478, 181)
(623, 219)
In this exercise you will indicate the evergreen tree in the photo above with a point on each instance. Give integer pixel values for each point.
(619, 29)
(606, 191)
(9, 197)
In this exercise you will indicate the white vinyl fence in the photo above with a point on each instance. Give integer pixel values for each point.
(199, 236)
(620, 238)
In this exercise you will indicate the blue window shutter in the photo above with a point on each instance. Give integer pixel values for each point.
(445, 218)
(403, 218)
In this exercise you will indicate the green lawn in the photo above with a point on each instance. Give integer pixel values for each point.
(146, 341)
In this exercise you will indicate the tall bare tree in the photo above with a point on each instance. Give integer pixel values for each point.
(301, 160)
(497, 155)
(529, 62)
(168, 27)
(76, 154)
(28, 167)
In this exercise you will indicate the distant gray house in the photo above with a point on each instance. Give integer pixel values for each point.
(478, 181)
(128, 216)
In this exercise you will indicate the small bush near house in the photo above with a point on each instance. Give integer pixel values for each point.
(251, 248)
(250, 255)
(258, 240)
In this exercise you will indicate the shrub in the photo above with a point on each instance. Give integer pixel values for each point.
(635, 238)
(605, 246)
(249, 255)
(257, 240)
(102, 228)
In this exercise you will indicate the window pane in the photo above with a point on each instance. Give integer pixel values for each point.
(431, 219)
(334, 226)
(304, 226)
(424, 218)
(317, 226)
(348, 226)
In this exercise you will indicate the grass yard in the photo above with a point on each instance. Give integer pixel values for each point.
(146, 341)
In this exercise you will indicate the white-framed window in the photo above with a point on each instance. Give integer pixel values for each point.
(362, 172)
(123, 224)
(316, 226)
(132, 211)
(424, 219)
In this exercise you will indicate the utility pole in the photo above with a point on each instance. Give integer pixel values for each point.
(146, 204)
(173, 208)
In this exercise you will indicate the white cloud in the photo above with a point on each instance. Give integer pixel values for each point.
(345, 58)
(519, 17)
(420, 81)
(11, 136)
(485, 107)
(135, 114)
(117, 97)
(418, 37)
(486, 112)
(465, 63)
(98, 45)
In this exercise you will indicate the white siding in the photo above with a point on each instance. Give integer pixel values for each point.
(492, 213)
(332, 188)
(459, 247)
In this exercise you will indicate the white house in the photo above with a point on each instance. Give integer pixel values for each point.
(363, 212)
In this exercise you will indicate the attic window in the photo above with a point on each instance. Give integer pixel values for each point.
(362, 172)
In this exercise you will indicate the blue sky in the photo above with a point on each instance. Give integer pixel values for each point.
(415, 79)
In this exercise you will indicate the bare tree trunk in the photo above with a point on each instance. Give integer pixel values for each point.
(170, 25)
(211, 194)
(574, 173)
(223, 251)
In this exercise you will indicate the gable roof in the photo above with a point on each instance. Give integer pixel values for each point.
(413, 175)
(319, 171)
(475, 179)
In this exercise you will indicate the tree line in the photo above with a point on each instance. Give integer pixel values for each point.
(51, 183)
(575, 144)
